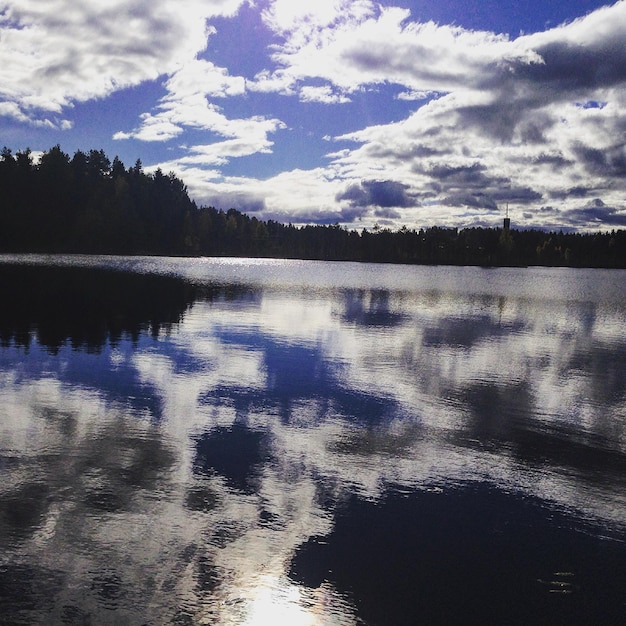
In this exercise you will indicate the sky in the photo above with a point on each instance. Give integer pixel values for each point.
(398, 113)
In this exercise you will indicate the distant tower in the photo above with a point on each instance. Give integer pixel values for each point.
(507, 219)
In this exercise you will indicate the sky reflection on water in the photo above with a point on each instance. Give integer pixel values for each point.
(304, 448)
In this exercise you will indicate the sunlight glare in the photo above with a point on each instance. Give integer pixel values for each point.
(279, 603)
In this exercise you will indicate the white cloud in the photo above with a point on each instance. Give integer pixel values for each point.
(187, 106)
(203, 77)
(306, 26)
(153, 128)
(324, 95)
(509, 128)
(310, 193)
(415, 95)
(221, 152)
(249, 136)
(64, 52)
(362, 46)
(488, 119)
(300, 21)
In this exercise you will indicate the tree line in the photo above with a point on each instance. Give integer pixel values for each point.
(92, 205)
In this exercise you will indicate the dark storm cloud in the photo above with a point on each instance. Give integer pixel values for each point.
(388, 213)
(470, 186)
(400, 59)
(594, 214)
(476, 200)
(610, 162)
(533, 131)
(572, 192)
(548, 210)
(466, 176)
(466, 185)
(408, 153)
(379, 193)
(573, 67)
(352, 214)
(513, 113)
(497, 119)
(564, 71)
(355, 194)
(557, 161)
(578, 192)
(597, 212)
(520, 195)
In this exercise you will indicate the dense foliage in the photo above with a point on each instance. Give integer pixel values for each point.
(88, 204)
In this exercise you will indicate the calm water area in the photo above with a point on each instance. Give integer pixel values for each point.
(270, 442)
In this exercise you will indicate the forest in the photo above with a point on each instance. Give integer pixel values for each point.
(91, 205)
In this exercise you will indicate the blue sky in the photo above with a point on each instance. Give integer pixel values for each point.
(400, 112)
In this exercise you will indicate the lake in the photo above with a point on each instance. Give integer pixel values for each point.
(244, 441)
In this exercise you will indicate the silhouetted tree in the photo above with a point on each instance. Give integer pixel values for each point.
(92, 205)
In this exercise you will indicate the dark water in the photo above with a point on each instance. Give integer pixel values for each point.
(276, 442)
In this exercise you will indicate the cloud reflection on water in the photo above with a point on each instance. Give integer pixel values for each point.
(208, 455)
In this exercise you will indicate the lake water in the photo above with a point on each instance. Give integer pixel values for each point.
(236, 441)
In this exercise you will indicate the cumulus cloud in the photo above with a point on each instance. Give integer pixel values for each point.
(312, 195)
(480, 119)
(477, 200)
(187, 105)
(610, 161)
(595, 215)
(358, 43)
(64, 52)
(519, 120)
(416, 95)
(363, 43)
(302, 22)
(322, 94)
(501, 121)
(178, 112)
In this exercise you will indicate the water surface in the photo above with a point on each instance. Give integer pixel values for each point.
(231, 441)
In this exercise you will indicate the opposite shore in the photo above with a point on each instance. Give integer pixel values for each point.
(90, 205)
